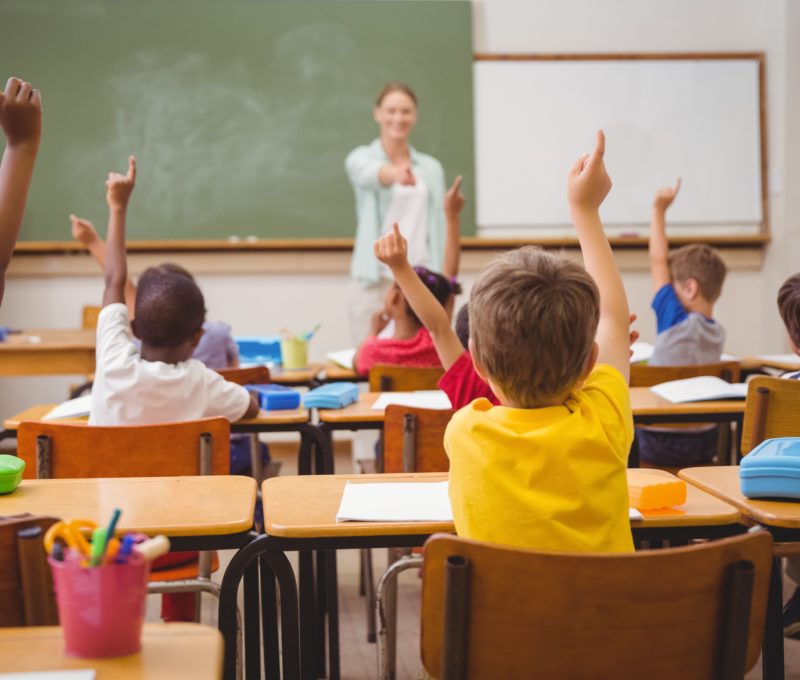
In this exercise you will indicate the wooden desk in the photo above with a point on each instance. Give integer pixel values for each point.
(646, 405)
(217, 505)
(782, 519)
(299, 377)
(300, 514)
(723, 482)
(56, 352)
(172, 650)
(334, 373)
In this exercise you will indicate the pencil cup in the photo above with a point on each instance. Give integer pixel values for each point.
(294, 353)
(101, 609)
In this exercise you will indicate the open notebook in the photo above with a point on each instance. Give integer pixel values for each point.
(703, 388)
(74, 408)
(81, 674)
(401, 502)
(343, 357)
(433, 399)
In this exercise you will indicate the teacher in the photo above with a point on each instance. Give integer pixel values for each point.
(393, 182)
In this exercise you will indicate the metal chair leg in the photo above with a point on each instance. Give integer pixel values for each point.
(387, 615)
(369, 584)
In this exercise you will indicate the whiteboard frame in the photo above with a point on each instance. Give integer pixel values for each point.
(759, 58)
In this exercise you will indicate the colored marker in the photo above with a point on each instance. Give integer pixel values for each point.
(124, 552)
(99, 541)
(112, 525)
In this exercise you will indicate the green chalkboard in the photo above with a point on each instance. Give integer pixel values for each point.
(240, 112)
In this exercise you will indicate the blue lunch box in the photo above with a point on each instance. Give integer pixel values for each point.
(772, 469)
(273, 397)
(259, 350)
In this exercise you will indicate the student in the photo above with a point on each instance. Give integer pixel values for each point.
(789, 309)
(547, 468)
(687, 283)
(161, 383)
(21, 120)
(216, 349)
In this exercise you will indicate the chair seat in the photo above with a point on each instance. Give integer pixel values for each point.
(181, 572)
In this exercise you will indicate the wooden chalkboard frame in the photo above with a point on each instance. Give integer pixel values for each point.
(478, 243)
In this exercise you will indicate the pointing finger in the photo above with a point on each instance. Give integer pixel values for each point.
(456, 185)
(677, 187)
(600, 146)
(396, 230)
(132, 168)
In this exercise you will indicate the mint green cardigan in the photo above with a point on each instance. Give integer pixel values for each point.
(372, 201)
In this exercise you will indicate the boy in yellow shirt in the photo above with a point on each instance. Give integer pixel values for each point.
(546, 468)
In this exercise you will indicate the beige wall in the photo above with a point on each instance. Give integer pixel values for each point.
(259, 293)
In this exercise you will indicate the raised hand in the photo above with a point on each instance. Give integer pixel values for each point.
(405, 176)
(454, 199)
(588, 183)
(83, 230)
(392, 248)
(664, 197)
(119, 187)
(21, 114)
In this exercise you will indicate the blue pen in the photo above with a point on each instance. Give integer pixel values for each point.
(124, 552)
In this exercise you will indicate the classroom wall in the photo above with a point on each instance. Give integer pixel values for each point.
(259, 293)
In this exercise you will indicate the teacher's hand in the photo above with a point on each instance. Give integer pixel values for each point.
(454, 199)
(405, 176)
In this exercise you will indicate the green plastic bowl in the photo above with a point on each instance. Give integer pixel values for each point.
(11, 469)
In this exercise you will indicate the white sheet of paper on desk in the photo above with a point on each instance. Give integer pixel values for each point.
(74, 408)
(703, 388)
(434, 399)
(728, 357)
(633, 513)
(81, 674)
(642, 351)
(781, 358)
(395, 502)
(343, 357)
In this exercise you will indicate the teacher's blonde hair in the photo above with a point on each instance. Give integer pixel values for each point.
(395, 86)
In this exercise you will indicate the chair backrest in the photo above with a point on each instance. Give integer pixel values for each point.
(771, 410)
(674, 613)
(61, 450)
(413, 439)
(26, 586)
(647, 376)
(390, 378)
(89, 316)
(254, 375)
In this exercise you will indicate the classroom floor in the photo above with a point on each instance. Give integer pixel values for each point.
(358, 657)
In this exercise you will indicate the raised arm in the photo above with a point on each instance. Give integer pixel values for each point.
(588, 184)
(392, 250)
(453, 204)
(84, 231)
(21, 120)
(118, 192)
(658, 245)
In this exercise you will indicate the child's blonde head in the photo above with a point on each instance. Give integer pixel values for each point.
(533, 320)
(701, 263)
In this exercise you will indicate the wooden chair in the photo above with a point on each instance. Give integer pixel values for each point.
(772, 410)
(692, 613)
(254, 375)
(646, 376)
(413, 442)
(26, 585)
(197, 447)
(389, 378)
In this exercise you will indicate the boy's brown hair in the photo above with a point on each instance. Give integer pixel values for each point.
(701, 263)
(533, 320)
(789, 307)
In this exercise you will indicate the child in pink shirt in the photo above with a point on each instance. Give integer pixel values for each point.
(412, 344)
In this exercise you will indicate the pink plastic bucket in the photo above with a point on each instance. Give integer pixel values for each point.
(101, 609)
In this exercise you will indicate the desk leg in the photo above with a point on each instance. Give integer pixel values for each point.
(737, 440)
(772, 648)
(312, 663)
(326, 442)
(321, 609)
(269, 625)
(333, 616)
(279, 565)
(316, 446)
(252, 641)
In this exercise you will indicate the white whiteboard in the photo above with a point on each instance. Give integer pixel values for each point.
(663, 119)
